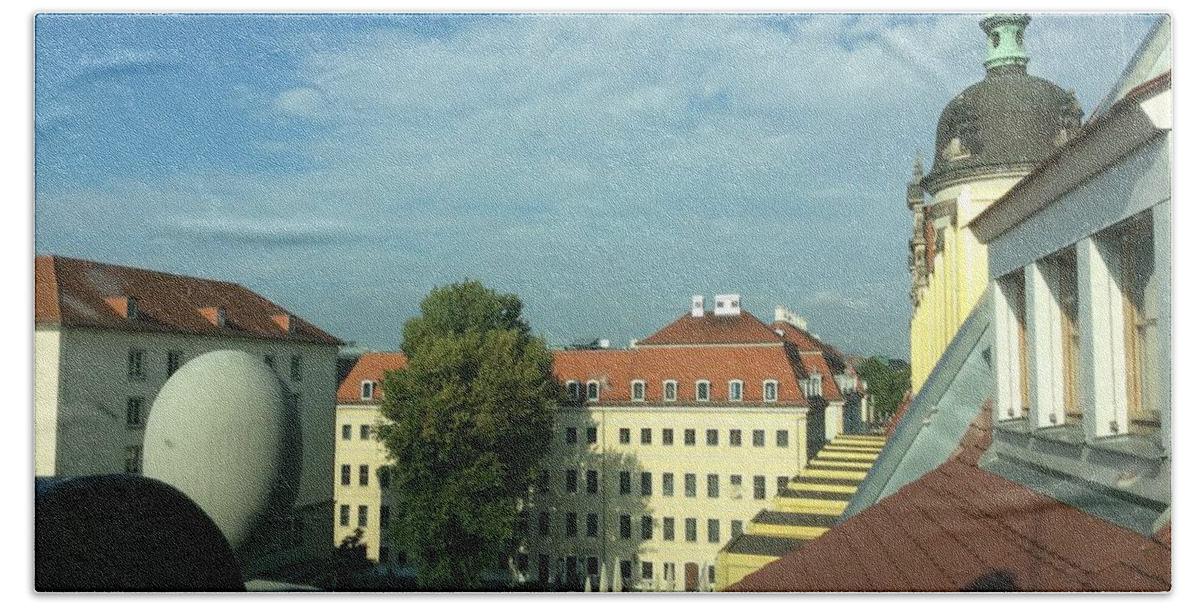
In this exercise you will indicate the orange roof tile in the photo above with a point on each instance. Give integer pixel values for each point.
(370, 366)
(84, 293)
(742, 328)
(959, 527)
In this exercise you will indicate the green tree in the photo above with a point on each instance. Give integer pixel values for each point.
(469, 420)
(887, 383)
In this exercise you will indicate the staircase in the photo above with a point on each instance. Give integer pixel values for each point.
(806, 509)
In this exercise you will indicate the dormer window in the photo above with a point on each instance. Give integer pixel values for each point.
(593, 390)
(573, 390)
(368, 390)
(670, 388)
(702, 389)
(131, 309)
(637, 390)
(735, 390)
(770, 390)
(222, 320)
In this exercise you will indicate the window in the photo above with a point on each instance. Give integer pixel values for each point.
(770, 390)
(570, 525)
(625, 483)
(544, 481)
(133, 459)
(689, 529)
(735, 438)
(760, 487)
(344, 515)
(174, 362)
(593, 525)
(593, 482)
(623, 436)
(134, 412)
(714, 485)
(362, 516)
(1012, 347)
(593, 390)
(689, 437)
(1058, 276)
(626, 569)
(136, 372)
(668, 528)
(781, 438)
(646, 436)
(345, 431)
(668, 437)
(296, 368)
(385, 517)
(364, 432)
(735, 486)
(648, 570)
(569, 436)
(345, 474)
(710, 437)
(364, 474)
(571, 479)
(1135, 252)
(368, 390)
(573, 390)
(638, 390)
(647, 527)
(668, 484)
(385, 477)
(760, 438)
(735, 528)
(689, 485)
(647, 483)
(544, 524)
(626, 525)
(735, 390)
(668, 571)
(714, 530)
(591, 434)
(670, 387)
(712, 575)
(781, 483)
(702, 390)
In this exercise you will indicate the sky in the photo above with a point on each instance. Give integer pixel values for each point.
(603, 167)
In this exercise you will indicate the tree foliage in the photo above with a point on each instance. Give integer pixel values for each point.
(469, 419)
(887, 382)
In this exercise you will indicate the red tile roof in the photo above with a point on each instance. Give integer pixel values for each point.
(370, 366)
(83, 293)
(616, 369)
(814, 357)
(742, 328)
(960, 527)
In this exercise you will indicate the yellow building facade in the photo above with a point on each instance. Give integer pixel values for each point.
(988, 137)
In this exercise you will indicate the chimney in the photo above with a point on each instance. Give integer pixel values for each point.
(697, 306)
(633, 343)
(791, 318)
(604, 343)
(727, 305)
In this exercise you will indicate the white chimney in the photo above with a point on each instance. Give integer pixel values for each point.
(791, 318)
(604, 343)
(633, 343)
(727, 305)
(697, 306)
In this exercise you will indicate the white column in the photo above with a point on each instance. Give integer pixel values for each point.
(1007, 350)
(1043, 332)
(1102, 373)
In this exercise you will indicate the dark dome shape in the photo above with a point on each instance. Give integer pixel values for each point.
(1010, 120)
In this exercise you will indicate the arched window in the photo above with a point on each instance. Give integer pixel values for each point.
(368, 390)
(593, 390)
(770, 390)
(735, 390)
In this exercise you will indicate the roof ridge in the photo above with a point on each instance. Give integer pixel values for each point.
(147, 270)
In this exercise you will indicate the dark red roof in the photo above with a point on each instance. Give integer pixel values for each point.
(742, 328)
(370, 366)
(93, 294)
(960, 527)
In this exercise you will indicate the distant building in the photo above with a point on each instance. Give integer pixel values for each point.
(1037, 456)
(671, 447)
(988, 137)
(106, 339)
(361, 468)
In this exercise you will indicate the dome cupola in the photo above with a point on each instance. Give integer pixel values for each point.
(1009, 121)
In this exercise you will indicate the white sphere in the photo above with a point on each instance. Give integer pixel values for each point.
(217, 433)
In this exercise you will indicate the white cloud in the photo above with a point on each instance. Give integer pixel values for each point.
(301, 101)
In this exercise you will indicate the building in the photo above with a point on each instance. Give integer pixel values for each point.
(988, 137)
(361, 473)
(670, 447)
(106, 338)
(1037, 456)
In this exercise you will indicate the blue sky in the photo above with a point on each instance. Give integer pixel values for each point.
(604, 167)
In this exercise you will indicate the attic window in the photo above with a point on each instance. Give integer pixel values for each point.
(702, 387)
(638, 390)
(573, 390)
(593, 390)
(131, 309)
(368, 390)
(669, 390)
(770, 390)
(735, 390)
